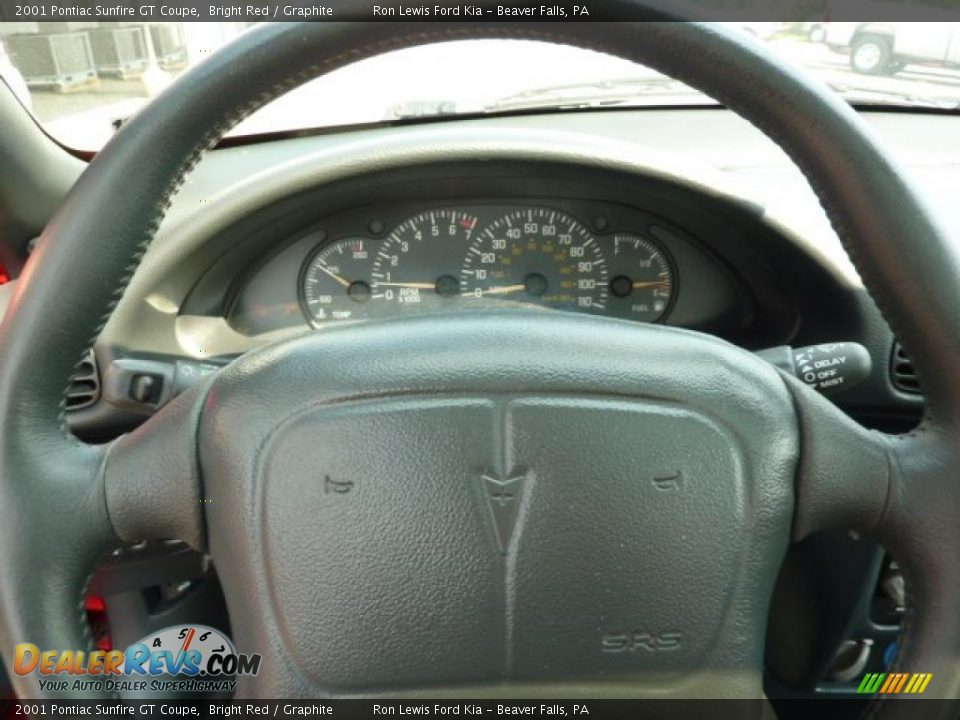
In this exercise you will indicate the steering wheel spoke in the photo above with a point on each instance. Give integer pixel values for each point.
(844, 476)
(152, 476)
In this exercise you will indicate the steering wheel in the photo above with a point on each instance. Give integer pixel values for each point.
(507, 503)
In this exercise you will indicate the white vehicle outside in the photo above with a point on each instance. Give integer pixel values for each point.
(886, 48)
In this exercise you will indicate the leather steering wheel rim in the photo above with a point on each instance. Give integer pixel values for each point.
(60, 512)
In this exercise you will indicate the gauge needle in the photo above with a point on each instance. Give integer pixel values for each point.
(651, 283)
(504, 289)
(331, 273)
(414, 285)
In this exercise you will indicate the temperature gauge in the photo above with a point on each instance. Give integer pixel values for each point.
(336, 281)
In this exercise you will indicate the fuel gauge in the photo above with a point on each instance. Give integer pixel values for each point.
(642, 279)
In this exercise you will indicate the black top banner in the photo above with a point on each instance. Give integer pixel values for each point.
(86, 11)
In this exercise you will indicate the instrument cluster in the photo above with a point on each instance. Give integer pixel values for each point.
(397, 258)
(460, 257)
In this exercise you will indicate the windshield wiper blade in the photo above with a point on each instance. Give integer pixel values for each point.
(599, 93)
(596, 93)
(423, 109)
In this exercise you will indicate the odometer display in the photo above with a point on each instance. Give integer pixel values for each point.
(538, 256)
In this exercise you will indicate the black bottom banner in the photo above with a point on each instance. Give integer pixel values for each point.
(372, 709)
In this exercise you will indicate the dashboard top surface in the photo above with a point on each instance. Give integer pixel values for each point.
(737, 156)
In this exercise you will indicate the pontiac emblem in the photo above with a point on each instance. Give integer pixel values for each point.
(504, 498)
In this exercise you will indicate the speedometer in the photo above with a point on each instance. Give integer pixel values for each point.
(538, 256)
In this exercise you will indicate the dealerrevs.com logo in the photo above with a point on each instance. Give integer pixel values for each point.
(192, 658)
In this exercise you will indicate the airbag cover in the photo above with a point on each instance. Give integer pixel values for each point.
(471, 517)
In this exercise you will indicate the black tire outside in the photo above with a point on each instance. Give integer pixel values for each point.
(881, 55)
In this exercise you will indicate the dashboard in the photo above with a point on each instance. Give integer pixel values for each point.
(270, 241)
(564, 254)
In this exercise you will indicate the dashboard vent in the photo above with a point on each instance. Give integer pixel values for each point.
(901, 371)
(84, 388)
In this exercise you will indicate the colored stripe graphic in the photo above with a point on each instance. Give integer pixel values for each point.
(871, 682)
(922, 684)
(889, 683)
(913, 683)
(894, 683)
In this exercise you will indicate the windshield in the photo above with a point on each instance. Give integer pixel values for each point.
(83, 81)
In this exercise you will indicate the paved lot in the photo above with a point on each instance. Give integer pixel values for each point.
(471, 75)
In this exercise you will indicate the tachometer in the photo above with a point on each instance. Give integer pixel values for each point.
(336, 281)
(642, 279)
(416, 265)
(539, 256)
